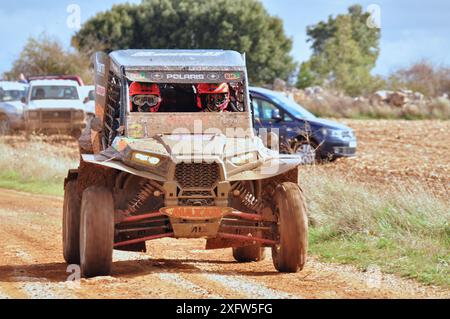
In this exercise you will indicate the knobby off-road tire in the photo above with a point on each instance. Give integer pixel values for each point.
(290, 254)
(71, 224)
(247, 253)
(96, 232)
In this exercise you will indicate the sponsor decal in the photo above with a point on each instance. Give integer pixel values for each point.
(175, 76)
(196, 212)
(100, 90)
(100, 68)
(213, 76)
(232, 76)
(185, 77)
(157, 76)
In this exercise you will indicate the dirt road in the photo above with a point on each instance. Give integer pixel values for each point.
(31, 266)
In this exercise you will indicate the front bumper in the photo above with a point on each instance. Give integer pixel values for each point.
(338, 149)
(212, 223)
(54, 120)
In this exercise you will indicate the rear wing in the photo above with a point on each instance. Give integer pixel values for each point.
(75, 78)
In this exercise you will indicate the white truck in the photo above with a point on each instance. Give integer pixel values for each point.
(54, 106)
(11, 107)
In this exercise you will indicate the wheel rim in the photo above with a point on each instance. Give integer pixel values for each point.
(277, 247)
(307, 153)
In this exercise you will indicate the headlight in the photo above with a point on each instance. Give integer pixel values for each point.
(243, 159)
(145, 159)
(336, 133)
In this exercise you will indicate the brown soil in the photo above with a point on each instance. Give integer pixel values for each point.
(389, 153)
(394, 152)
(31, 266)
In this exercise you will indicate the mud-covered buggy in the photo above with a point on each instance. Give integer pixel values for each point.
(164, 158)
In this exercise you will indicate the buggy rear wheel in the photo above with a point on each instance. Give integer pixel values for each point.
(249, 253)
(96, 232)
(71, 224)
(253, 252)
(290, 254)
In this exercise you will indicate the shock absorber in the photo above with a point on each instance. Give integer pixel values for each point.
(247, 198)
(147, 190)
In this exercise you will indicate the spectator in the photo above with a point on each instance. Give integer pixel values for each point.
(23, 79)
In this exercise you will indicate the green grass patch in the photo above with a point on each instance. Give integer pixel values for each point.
(12, 180)
(403, 232)
(35, 166)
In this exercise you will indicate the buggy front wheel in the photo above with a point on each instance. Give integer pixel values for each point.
(290, 254)
(96, 232)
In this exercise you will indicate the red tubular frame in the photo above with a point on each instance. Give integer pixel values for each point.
(139, 240)
(248, 216)
(140, 217)
(247, 238)
(235, 213)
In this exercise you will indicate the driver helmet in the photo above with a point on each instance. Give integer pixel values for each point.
(146, 97)
(213, 97)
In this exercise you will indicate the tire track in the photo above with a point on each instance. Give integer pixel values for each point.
(25, 279)
(31, 266)
(188, 285)
(251, 288)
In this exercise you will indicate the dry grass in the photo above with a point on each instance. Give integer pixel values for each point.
(328, 105)
(37, 165)
(403, 230)
(401, 227)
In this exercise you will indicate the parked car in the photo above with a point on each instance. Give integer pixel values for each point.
(11, 107)
(300, 131)
(54, 106)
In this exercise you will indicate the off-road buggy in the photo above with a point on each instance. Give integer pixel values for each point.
(178, 171)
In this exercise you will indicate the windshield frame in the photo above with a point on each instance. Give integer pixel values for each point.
(290, 106)
(23, 94)
(34, 87)
(127, 98)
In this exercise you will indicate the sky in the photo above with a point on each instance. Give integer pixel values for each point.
(411, 30)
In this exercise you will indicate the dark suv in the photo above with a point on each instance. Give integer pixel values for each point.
(301, 131)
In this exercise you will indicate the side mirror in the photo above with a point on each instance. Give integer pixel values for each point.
(276, 115)
(86, 100)
(23, 100)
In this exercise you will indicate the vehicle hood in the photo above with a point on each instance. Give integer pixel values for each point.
(173, 149)
(15, 107)
(55, 104)
(328, 124)
(181, 147)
